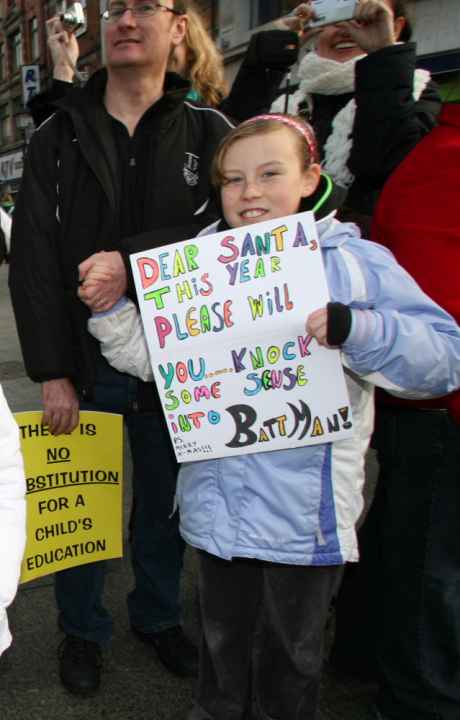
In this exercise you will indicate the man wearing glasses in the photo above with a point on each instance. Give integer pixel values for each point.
(122, 166)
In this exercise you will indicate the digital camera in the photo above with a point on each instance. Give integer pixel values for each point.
(329, 12)
(73, 18)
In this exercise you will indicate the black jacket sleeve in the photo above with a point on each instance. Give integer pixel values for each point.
(268, 58)
(41, 106)
(40, 300)
(3, 252)
(389, 122)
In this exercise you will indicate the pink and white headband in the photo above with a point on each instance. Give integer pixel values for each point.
(305, 130)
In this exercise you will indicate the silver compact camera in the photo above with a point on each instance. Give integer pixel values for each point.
(73, 18)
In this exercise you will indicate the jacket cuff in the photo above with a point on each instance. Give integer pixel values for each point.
(114, 309)
(59, 87)
(339, 319)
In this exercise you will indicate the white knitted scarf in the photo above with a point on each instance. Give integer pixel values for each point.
(328, 77)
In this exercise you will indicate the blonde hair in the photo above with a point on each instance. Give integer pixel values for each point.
(263, 125)
(205, 65)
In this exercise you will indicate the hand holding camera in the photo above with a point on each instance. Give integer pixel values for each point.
(370, 23)
(64, 49)
(300, 20)
(73, 18)
(373, 26)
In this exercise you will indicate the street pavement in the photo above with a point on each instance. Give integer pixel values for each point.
(134, 684)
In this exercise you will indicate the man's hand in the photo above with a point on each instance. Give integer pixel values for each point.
(316, 326)
(103, 280)
(299, 17)
(299, 21)
(60, 406)
(373, 26)
(63, 48)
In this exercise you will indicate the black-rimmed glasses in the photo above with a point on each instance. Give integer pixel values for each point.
(143, 10)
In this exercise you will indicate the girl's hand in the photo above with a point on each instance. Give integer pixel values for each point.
(316, 326)
(330, 325)
(373, 26)
(63, 48)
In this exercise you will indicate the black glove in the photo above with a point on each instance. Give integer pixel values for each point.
(274, 49)
(338, 323)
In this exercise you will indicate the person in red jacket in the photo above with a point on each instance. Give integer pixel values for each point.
(416, 512)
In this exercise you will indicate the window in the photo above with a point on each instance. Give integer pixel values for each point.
(5, 124)
(240, 18)
(263, 11)
(10, 7)
(16, 51)
(18, 105)
(2, 62)
(34, 39)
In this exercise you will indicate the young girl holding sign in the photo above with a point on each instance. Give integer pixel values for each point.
(274, 529)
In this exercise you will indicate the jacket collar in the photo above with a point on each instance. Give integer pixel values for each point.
(327, 198)
(92, 124)
(175, 90)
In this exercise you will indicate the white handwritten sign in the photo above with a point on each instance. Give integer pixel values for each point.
(224, 317)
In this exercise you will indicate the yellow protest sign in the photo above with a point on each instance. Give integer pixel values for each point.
(73, 491)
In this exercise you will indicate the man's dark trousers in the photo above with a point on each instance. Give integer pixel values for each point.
(156, 547)
(417, 503)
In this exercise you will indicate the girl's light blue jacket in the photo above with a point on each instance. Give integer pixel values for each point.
(300, 506)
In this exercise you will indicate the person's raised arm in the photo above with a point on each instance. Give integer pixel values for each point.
(64, 51)
(268, 58)
(63, 48)
(396, 105)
